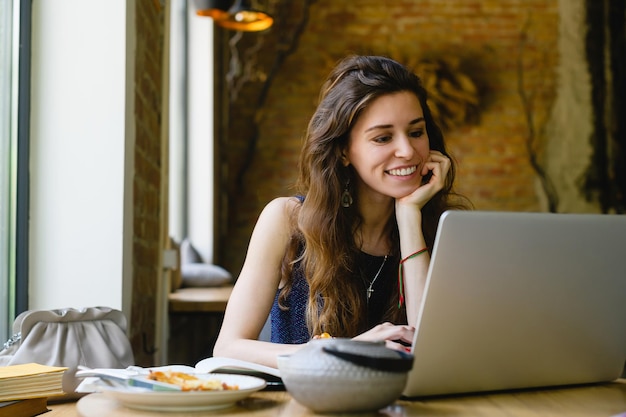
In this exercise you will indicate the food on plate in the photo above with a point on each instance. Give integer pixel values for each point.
(188, 382)
(324, 335)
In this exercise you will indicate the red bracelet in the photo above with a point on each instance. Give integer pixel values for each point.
(400, 274)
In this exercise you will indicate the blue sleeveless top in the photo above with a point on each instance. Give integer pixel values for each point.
(289, 326)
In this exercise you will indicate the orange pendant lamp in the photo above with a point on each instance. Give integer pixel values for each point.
(241, 16)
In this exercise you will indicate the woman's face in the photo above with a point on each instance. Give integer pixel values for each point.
(388, 145)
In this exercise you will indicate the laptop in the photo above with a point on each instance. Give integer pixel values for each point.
(521, 300)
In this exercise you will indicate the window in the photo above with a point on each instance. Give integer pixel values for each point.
(9, 41)
(192, 169)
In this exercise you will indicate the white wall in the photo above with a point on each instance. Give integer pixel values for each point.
(81, 148)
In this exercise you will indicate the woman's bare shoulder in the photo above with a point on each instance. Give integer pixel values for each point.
(285, 202)
(282, 207)
(277, 219)
(269, 240)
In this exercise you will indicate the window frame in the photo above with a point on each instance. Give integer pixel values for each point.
(14, 176)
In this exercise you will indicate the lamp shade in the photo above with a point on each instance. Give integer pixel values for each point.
(241, 16)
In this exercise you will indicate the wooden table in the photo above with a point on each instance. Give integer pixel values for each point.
(601, 400)
(199, 300)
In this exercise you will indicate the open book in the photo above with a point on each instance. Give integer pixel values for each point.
(236, 366)
(229, 365)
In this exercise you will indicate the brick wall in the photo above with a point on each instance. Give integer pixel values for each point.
(147, 216)
(497, 42)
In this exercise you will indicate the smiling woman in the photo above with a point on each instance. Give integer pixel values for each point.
(348, 254)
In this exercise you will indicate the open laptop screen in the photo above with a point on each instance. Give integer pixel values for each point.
(518, 300)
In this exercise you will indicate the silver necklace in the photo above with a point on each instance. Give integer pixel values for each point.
(370, 289)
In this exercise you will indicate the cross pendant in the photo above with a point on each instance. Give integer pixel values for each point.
(370, 290)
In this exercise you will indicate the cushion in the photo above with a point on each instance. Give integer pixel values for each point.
(188, 254)
(204, 275)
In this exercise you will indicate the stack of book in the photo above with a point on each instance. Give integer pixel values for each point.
(25, 389)
(24, 408)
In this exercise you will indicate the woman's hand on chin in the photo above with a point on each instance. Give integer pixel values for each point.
(436, 170)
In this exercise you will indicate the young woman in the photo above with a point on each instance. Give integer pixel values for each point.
(348, 255)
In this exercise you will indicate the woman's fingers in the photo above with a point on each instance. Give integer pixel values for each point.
(398, 346)
(394, 335)
(439, 165)
(434, 171)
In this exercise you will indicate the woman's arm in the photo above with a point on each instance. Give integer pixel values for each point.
(251, 300)
(252, 297)
(409, 218)
(414, 270)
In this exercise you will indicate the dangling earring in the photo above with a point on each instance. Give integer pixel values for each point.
(346, 197)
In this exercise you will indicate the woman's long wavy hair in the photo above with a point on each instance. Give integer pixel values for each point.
(323, 237)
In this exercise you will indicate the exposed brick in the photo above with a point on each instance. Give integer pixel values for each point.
(485, 35)
(147, 216)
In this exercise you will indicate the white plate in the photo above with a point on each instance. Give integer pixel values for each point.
(189, 400)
